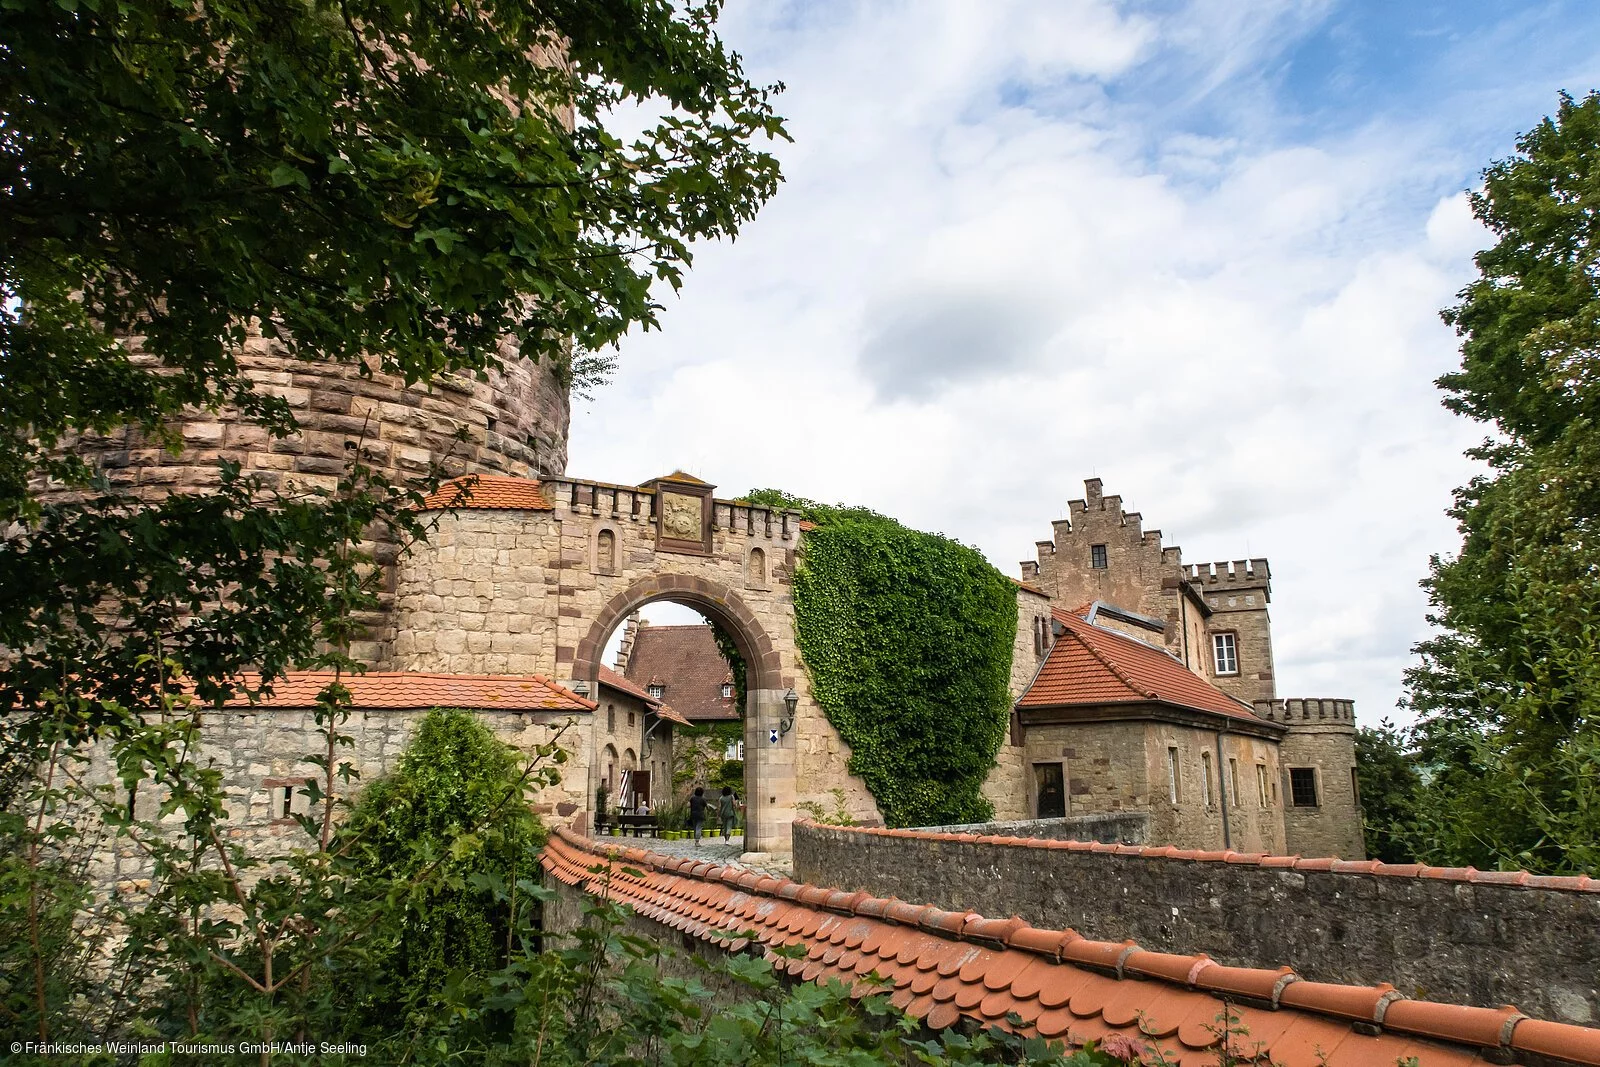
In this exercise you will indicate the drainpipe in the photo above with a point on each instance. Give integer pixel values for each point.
(1222, 791)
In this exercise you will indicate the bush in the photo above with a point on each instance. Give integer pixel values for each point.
(454, 775)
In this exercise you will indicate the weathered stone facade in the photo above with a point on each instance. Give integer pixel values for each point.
(1477, 938)
(1213, 619)
(261, 752)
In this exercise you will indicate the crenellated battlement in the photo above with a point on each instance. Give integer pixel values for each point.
(1297, 711)
(637, 503)
(1238, 573)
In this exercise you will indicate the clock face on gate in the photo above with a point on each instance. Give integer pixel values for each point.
(680, 516)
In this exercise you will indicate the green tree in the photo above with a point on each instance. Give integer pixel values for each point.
(1389, 783)
(1509, 690)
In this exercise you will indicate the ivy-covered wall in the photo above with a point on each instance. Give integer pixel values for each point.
(908, 639)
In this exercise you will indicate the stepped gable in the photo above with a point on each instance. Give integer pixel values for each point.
(393, 690)
(1090, 665)
(684, 660)
(616, 681)
(488, 492)
(944, 967)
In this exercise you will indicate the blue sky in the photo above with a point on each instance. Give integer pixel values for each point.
(1195, 249)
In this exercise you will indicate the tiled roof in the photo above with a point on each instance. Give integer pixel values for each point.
(1089, 665)
(1029, 587)
(943, 966)
(489, 492)
(686, 661)
(415, 689)
(616, 681)
(682, 477)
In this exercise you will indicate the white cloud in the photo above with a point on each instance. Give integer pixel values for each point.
(989, 276)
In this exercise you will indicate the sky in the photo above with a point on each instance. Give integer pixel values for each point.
(1195, 249)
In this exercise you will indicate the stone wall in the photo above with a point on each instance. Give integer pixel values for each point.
(259, 754)
(1447, 935)
(1127, 828)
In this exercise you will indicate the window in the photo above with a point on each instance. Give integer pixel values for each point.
(1097, 557)
(1205, 765)
(727, 690)
(1303, 787)
(1261, 785)
(656, 691)
(611, 718)
(1050, 791)
(630, 719)
(1172, 775)
(735, 750)
(1355, 785)
(1225, 653)
(1233, 780)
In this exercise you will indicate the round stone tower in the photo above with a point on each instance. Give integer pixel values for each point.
(515, 423)
(1321, 798)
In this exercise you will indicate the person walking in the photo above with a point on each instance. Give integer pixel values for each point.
(697, 812)
(727, 810)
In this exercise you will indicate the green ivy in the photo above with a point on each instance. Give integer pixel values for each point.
(907, 637)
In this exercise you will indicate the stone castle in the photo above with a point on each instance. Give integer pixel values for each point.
(508, 607)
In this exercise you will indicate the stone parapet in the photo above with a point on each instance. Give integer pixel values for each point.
(1456, 934)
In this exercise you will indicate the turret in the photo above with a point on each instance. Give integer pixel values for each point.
(1322, 802)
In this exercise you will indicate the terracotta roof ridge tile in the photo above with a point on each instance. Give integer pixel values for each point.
(1330, 864)
(714, 902)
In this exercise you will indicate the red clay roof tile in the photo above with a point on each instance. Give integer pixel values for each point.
(489, 492)
(942, 972)
(1091, 666)
(686, 662)
(393, 690)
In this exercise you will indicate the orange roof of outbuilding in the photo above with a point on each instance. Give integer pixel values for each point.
(1089, 665)
(490, 492)
(390, 690)
(618, 682)
(942, 967)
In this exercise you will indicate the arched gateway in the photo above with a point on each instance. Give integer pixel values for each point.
(531, 578)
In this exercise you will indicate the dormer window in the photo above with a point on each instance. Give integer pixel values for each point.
(656, 690)
(727, 690)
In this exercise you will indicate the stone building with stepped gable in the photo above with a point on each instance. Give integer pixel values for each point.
(1164, 697)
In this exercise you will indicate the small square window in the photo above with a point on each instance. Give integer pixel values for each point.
(1097, 557)
(1225, 653)
(1303, 786)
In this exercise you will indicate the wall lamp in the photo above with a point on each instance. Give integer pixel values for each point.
(791, 700)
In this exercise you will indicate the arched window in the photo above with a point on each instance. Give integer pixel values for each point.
(756, 567)
(610, 755)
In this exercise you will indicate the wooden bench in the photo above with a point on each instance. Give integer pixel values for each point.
(630, 825)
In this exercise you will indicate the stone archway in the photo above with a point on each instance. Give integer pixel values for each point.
(769, 767)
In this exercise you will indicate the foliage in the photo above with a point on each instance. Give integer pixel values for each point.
(1509, 691)
(453, 775)
(392, 187)
(699, 753)
(907, 637)
(839, 816)
(730, 774)
(601, 997)
(1389, 783)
